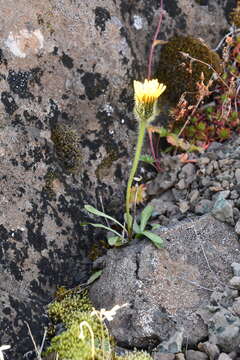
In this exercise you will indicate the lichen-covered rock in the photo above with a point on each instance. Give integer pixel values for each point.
(66, 71)
(166, 288)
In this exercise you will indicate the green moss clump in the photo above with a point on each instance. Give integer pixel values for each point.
(67, 145)
(83, 332)
(70, 345)
(63, 310)
(84, 335)
(176, 76)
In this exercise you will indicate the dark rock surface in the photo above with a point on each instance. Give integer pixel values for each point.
(165, 288)
(66, 71)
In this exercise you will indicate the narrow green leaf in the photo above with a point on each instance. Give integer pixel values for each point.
(94, 276)
(95, 211)
(145, 216)
(103, 227)
(157, 241)
(84, 223)
(115, 241)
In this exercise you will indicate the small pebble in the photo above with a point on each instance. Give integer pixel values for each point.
(206, 181)
(181, 184)
(237, 175)
(225, 184)
(193, 195)
(233, 355)
(236, 268)
(195, 355)
(215, 165)
(180, 356)
(188, 170)
(210, 349)
(236, 307)
(222, 163)
(209, 169)
(236, 214)
(161, 356)
(204, 161)
(204, 206)
(235, 282)
(237, 227)
(223, 211)
(224, 356)
(184, 206)
(234, 194)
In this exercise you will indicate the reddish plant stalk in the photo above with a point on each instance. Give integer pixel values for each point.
(150, 59)
(149, 73)
(157, 162)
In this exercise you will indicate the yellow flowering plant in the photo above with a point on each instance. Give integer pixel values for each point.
(146, 95)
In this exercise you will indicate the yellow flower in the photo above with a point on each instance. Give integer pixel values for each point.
(149, 91)
(146, 95)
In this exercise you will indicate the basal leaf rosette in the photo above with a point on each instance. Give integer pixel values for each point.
(146, 95)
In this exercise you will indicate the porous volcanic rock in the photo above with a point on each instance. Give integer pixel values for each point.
(166, 288)
(66, 71)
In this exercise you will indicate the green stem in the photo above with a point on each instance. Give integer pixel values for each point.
(141, 133)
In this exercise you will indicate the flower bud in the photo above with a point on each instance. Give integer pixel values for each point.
(146, 95)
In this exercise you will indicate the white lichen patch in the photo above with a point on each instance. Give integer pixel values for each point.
(108, 109)
(137, 22)
(25, 42)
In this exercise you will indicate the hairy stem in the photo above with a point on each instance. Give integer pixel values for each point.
(141, 133)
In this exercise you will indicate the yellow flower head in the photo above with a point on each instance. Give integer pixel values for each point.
(146, 95)
(149, 91)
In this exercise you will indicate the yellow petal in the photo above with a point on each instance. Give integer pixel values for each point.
(148, 91)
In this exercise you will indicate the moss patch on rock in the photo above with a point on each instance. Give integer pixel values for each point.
(103, 168)
(81, 331)
(62, 309)
(67, 146)
(173, 73)
(78, 331)
(78, 341)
